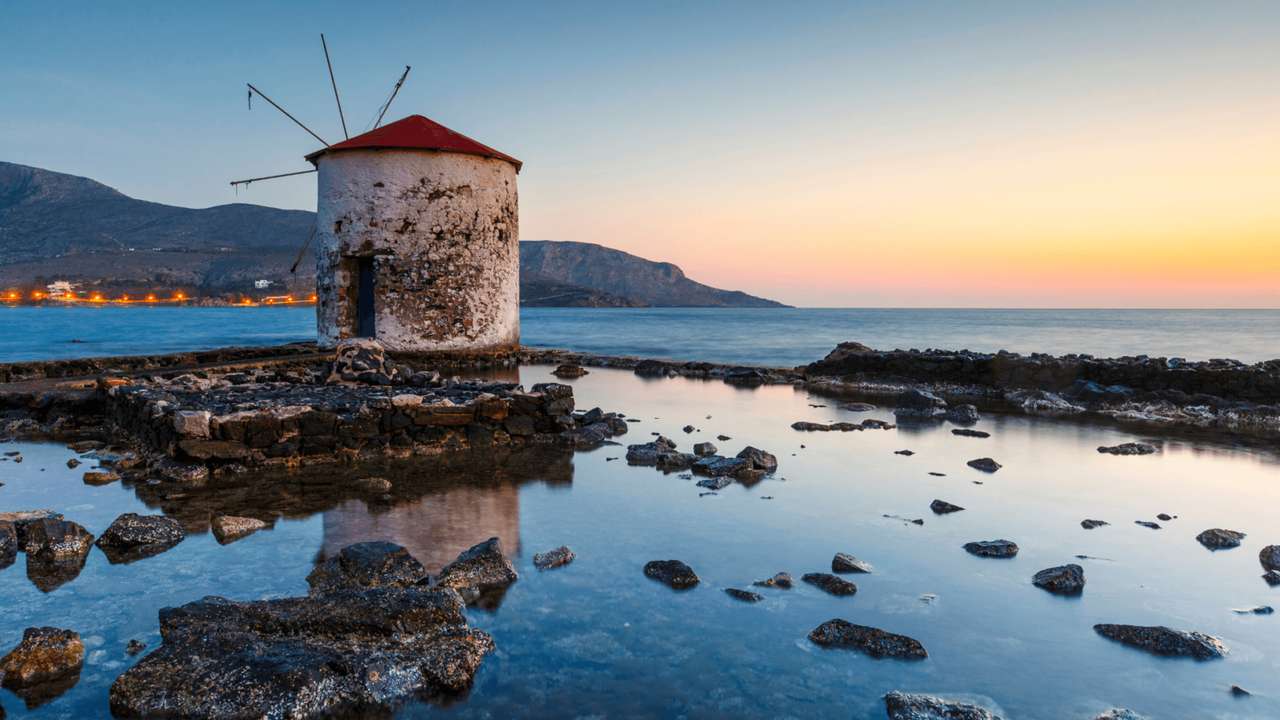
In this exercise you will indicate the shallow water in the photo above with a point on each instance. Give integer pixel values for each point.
(598, 638)
(760, 336)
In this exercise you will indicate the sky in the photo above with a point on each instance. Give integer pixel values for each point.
(832, 154)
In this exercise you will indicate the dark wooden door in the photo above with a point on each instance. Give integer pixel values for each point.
(364, 298)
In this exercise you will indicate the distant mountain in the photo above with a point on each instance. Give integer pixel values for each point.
(55, 226)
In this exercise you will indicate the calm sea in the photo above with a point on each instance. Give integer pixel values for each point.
(756, 336)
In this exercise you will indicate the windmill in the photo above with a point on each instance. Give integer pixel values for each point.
(417, 230)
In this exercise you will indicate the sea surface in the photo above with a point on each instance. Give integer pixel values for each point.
(763, 336)
(599, 639)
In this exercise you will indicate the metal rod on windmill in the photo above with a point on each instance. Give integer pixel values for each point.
(394, 90)
(286, 114)
(334, 82)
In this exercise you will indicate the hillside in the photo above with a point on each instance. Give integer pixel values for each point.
(55, 226)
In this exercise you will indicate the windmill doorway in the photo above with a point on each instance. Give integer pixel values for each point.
(365, 312)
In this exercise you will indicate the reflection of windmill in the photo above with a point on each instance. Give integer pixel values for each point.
(417, 230)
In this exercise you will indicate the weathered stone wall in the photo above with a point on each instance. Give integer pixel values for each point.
(442, 230)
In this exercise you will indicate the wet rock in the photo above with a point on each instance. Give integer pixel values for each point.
(44, 665)
(967, 432)
(133, 537)
(904, 453)
(703, 449)
(1160, 640)
(653, 368)
(1238, 691)
(481, 573)
(57, 539)
(23, 519)
(351, 652)
(1091, 524)
(719, 466)
(1130, 448)
(830, 584)
(1120, 714)
(1219, 539)
(672, 573)
(1271, 577)
(846, 563)
(992, 548)
(1259, 610)
(875, 642)
(367, 565)
(568, 371)
(781, 580)
(919, 404)
(719, 482)
(134, 647)
(985, 464)
(374, 485)
(1042, 402)
(858, 407)
(1062, 580)
(8, 544)
(651, 452)
(229, 528)
(1270, 557)
(688, 428)
(1147, 524)
(73, 463)
(100, 477)
(723, 438)
(942, 507)
(962, 415)
(915, 706)
(550, 559)
(759, 459)
(673, 461)
(743, 595)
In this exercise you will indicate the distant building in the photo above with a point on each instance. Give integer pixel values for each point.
(262, 284)
(417, 240)
(61, 289)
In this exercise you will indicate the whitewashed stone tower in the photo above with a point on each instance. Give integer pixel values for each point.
(417, 241)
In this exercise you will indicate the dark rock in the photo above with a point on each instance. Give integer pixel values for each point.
(942, 507)
(984, 464)
(1238, 691)
(875, 642)
(914, 706)
(919, 404)
(967, 432)
(962, 414)
(743, 595)
(550, 559)
(688, 428)
(651, 452)
(1062, 580)
(44, 665)
(717, 466)
(359, 360)
(653, 368)
(1091, 524)
(992, 548)
(367, 565)
(672, 573)
(351, 652)
(846, 563)
(723, 438)
(1147, 524)
(703, 449)
(134, 647)
(374, 485)
(716, 483)
(229, 528)
(481, 573)
(8, 544)
(23, 519)
(1259, 610)
(1160, 640)
(904, 453)
(780, 580)
(858, 407)
(759, 459)
(1219, 539)
(1130, 448)
(830, 584)
(1271, 577)
(57, 539)
(567, 371)
(73, 463)
(1165, 517)
(1270, 557)
(133, 537)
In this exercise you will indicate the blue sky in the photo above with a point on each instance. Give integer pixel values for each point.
(806, 151)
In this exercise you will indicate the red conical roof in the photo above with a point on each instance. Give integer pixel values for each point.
(417, 133)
